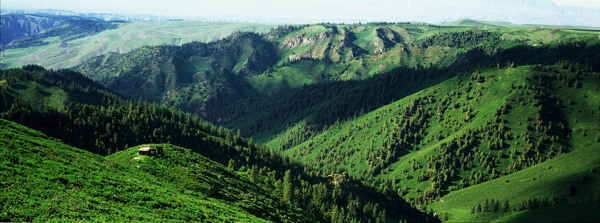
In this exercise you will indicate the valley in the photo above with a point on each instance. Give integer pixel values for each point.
(465, 121)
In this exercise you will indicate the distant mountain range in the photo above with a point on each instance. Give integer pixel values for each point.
(430, 11)
(16, 26)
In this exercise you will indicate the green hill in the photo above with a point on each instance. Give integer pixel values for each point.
(46, 180)
(564, 188)
(373, 122)
(48, 88)
(196, 77)
(108, 129)
(471, 129)
(251, 72)
(312, 108)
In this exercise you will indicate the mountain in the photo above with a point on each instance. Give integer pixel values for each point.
(77, 41)
(260, 64)
(263, 99)
(15, 26)
(495, 24)
(364, 122)
(129, 17)
(284, 190)
(72, 29)
(193, 77)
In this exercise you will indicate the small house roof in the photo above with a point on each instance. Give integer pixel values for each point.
(145, 149)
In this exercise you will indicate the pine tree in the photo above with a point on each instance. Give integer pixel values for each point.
(486, 206)
(287, 186)
(506, 206)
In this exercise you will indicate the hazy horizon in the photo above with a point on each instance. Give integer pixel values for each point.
(551, 12)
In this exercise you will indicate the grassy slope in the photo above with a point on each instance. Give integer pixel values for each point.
(367, 131)
(51, 96)
(543, 180)
(551, 177)
(348, 142)
(179, 170)
(45, 180)
(44, 93)
(127, 37)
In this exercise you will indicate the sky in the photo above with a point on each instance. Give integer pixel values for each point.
(552, 12)
(580, 3)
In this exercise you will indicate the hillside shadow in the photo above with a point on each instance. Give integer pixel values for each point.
(327, 103)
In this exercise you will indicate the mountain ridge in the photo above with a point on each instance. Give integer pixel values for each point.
(366, 122)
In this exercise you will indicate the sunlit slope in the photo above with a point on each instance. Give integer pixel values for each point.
(575, 173)
(472, 129)
(127, 37)
(45, 180)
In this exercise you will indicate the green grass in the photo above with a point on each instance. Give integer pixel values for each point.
(349, 146)
(45, 180)
(40, 94)
(300, 73)
(548, 179)
(54, 89)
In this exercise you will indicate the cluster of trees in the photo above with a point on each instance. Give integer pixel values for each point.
(482, 152)
(406, 133)
(574, 53)
(495, 206)
(402, 134)
(467, 152)
(548, 131)
(466, 39)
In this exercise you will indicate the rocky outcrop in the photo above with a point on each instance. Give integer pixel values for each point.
(302, 39)
(335, 44)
